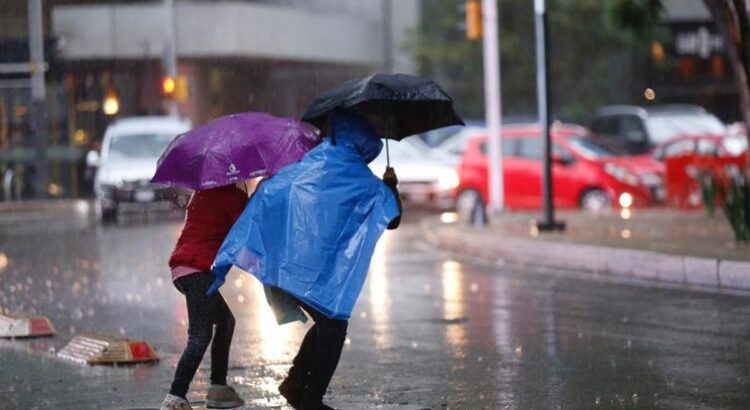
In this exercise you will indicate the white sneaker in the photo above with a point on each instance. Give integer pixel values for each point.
(172, 402)
(222, 397)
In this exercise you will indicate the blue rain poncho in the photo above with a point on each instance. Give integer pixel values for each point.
(311, 229)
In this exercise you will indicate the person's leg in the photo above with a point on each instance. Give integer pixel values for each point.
(329, 343)
(222, 341)
(201, 310)
(293, 386)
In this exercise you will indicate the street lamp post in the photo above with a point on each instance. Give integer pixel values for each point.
(492, 102)
(542, 75)
(170, 51)
(38, 94)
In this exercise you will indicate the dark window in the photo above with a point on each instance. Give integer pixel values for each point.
(509, 147)
(531, 148)
(605, 125)
(631, 129)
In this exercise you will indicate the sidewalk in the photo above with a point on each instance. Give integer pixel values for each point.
(686, 248)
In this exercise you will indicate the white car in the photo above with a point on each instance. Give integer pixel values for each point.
(453, 147)
(130, 149)
(424, 176)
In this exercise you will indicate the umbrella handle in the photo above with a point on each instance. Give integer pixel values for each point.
(387, 155)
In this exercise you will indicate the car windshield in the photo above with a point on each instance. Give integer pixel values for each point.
(663, 128)
(590, 148)
(139, 145)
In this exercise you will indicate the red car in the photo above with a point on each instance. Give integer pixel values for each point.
(586, 174)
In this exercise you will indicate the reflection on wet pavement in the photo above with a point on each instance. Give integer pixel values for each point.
(431, 330)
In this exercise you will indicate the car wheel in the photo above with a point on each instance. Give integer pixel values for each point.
(106, 214)
(467, 203)
(595, 200)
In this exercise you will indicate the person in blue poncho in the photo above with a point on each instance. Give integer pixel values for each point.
(309, 233)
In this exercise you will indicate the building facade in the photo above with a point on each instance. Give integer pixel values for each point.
(110, 60)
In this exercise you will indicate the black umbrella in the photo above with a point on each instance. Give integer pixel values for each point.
(396, 105)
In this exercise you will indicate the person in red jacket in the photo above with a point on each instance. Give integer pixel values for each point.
(209, 217)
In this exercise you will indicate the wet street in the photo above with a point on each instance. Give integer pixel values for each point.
(430, 330)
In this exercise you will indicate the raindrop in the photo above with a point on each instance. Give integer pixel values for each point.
(48, 283)
(122, 331)
(30, 281)
(238, 283)
(90, 312)
(474, 287)
(241, 299)
(479, 359)
(414, 345)
(625, 319)
(427, 288)
(159, 282)
(129, 297)
(629, 344)
(519, 350)
(363, 315)
(598, 401)
(635, 398)
(348, 341)
(12, 288)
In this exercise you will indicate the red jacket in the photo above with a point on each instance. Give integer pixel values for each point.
(210, 215)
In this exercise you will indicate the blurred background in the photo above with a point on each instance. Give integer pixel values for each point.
(633, 82)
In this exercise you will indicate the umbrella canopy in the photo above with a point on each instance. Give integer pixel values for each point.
(396, 105)
(234, 148)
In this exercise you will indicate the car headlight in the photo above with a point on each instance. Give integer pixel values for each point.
(621, 174)
(448, 180)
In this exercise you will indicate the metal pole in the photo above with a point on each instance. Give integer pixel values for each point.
(38, 94)
(170, 51)
(542, 74)
(492, 102)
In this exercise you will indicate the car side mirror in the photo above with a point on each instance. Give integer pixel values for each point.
(93, 159)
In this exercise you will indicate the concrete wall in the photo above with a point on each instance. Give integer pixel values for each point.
(323, 31)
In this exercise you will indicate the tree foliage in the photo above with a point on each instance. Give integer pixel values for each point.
(592, 58)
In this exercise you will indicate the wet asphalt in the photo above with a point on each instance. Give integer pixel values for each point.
(431, 329)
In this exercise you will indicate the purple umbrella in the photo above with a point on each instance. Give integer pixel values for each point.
(233, 148)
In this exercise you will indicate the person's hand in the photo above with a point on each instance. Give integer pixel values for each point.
(389, 177)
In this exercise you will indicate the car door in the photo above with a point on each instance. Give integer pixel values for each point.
(567, 174)
(512, 172)
(527, 171)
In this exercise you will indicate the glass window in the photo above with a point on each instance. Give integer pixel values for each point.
(509, 147)
(663, 128)
(605, 125)
(531, 148)
(631, 129)
(139, 145)
(590, 148)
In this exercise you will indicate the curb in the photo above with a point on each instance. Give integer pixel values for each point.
(43, 205)
(700, 273)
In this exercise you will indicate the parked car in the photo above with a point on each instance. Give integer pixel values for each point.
(130, 150)
(705, 145)
(436, 137)
(425, 178)
(453, 147)
(638, 130)
(586, 174)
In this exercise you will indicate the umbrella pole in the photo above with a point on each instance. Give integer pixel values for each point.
(387, 155)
